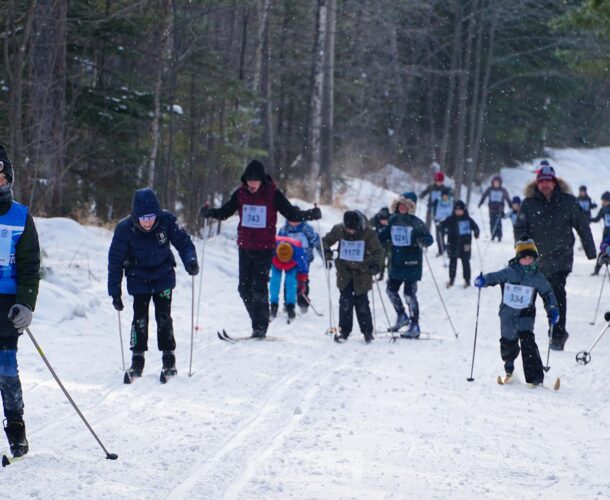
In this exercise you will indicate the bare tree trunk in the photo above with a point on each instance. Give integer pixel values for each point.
(47, 114)
(268, 134)
(316, 98)
(164, 50)
(328, 107)
(264, 7)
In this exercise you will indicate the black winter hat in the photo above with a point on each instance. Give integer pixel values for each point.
(255, 171)
(351, 220)
(606, 196)
(516, 199)
(583, 188)
(5, 165)
(446, 191)
(383, 214)
(459, 205)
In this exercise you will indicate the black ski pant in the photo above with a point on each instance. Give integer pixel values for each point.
(348, 301)
(165, 327)
(302, 288)
(410, 292)
(254, 267)
(530, 356)
(558, 284)
(440, 238)
(453, 259)
(495, 224)
(10, 385)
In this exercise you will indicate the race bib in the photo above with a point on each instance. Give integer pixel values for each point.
(401, 236)
(607, 220)
(254, 216)
(434, 195)
(495, 196)
(443, 210)
(464, 227)
(300, 237)
(352, 251)
(517, 296)
(584, 204)
(6, 240)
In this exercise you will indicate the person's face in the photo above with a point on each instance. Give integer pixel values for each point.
(402, 208)
(459, 212)
(439, 183)
(516, 207)
(605, 203)
(546, 187)
(496, 184)
(147, 222)
(350, 231)
(383, 222)
(253, 186)
(526, 261)
(3, 180)
(582, 193)
(293, 223)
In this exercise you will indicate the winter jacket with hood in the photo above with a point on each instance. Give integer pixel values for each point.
(604, 216)
(360, 272)
(145, 256)
(550, 223)
(497, 197)
(299, 256)
(258, 211)
(405, 233)
(459, 231)
(306, 234)
(514, 320)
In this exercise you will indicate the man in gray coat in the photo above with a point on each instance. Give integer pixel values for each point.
(548, 215)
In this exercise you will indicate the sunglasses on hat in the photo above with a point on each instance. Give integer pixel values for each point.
(147, 218)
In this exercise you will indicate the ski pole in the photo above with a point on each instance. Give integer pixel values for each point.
(201, 269)
(109, 456)
(308, 300)
(476, 331)
(584, 357)
(121, 339)
(439, 294)
(600, 295)
(192, 324)
(385, 311)
(374, 314)
(476, 242)
(548, 352)
(493, 231)
(331, 328)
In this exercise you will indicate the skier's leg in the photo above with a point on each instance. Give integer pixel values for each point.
(509, 350)
(558, 284)
(244, 288)
(165, 325)
(410, 291)
(346, 310)
(275, 285)
(260, 291)
(139, 325)
(363, 313)
(303, 304)
(466, 267)
(452, 267)
(532, 364)
(10, 385)
(393, 286)
(291, 286)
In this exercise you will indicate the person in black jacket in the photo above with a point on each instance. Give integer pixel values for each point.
(141, 249)
(548, 215)
(585, 201)
(459, 228)
(379, 222)
(19, 277)
(603, 215)
(497, 197)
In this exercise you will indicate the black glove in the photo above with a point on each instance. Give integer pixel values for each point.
(421, 242)
(373, 269)
(205, 212)
(117, 302)
(314, 213)
(329, 262)
(607, 316)
(192, 268)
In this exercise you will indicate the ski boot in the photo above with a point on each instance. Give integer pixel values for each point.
(466, 283)
(303, 309)
(340, 338)
(169, 366)
(259, 334)
(449, 284)
(401, 320)
(368, 338)
(15, 432)
(273, 311)
(290, 311)
(509, 368)
(413, 331)
(137, 364)
(558, 343)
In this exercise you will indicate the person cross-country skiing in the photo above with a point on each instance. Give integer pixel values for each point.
(257, 201)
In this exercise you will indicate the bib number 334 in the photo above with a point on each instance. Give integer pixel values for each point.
(518, 296)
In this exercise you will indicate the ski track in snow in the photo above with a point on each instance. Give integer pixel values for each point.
(306, 417)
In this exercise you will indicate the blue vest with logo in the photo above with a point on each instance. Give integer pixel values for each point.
(12, 224)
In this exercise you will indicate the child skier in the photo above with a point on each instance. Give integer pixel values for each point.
(497, 196)
(141, 249)
(515, 206)
(521, 282)
(603, 215)
(443, 207)
(19, 277)
(358, 261)
(407, 235)
(291, 259)
(433, 192)
(378, 223)
(585, 201)
(309, 239)
(459, 228)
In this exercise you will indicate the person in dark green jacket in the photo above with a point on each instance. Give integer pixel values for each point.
(407, 235)
(19, 277)
(359, 259)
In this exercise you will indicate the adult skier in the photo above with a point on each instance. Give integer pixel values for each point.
(141, 250)
(19, 277)
(257, 202)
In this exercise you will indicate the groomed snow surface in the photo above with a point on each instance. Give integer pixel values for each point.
(304, 417)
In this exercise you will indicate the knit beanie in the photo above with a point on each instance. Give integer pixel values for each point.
(523, 248)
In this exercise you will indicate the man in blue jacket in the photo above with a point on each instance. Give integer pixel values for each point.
(141, 249)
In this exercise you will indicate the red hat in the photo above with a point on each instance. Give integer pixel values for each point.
(439, 177)
(546, 173)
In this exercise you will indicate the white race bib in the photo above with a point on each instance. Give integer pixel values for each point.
(6, 240)
(584, 204)
(254, 216)
(517, 296)
(495, 196)
(434, 195)
(443, 210)
(464, 227)
(300, 237)
(607, 220)
(401, 236)
(352, 251)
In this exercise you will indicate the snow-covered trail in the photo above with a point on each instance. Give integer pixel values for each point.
(304, 417)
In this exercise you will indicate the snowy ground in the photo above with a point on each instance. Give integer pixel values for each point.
(304, 417)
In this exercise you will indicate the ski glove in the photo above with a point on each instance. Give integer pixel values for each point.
(192, 268)
(314, 213)
(373, 269)
(607, 316)
(21, 316)
(480, 282)
(117, 302)
(554, 316)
